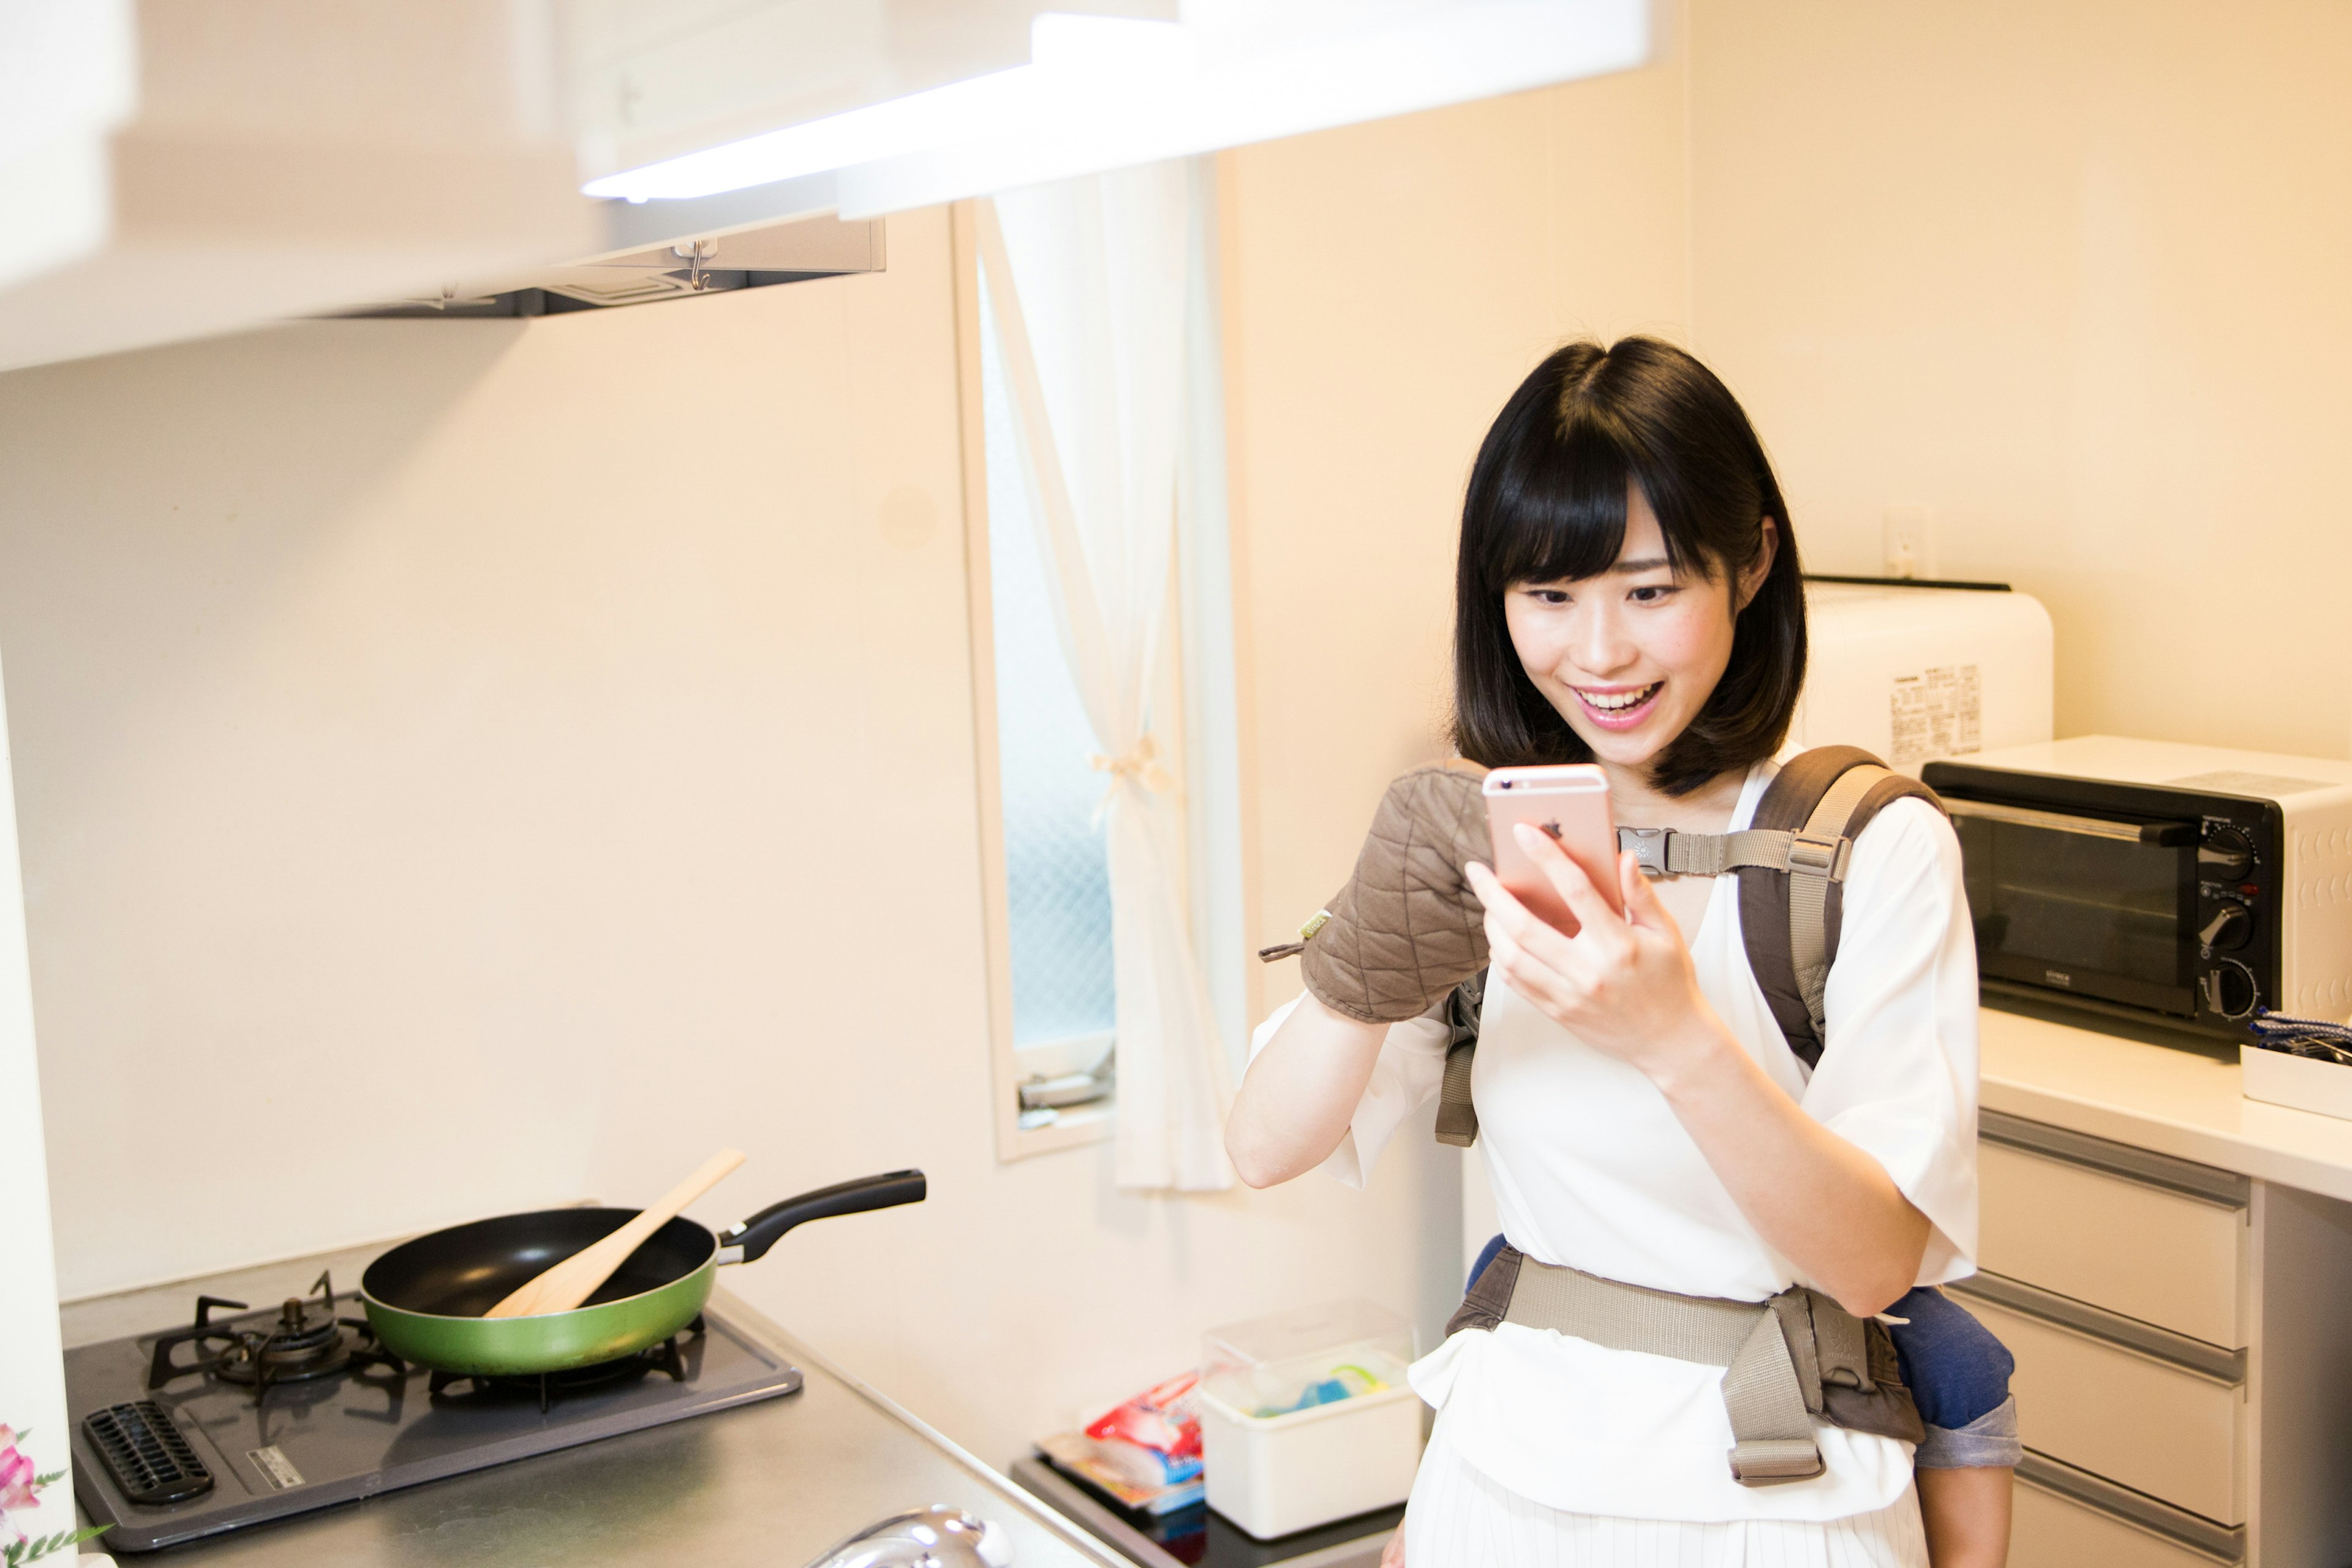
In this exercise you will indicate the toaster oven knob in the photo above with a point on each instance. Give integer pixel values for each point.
(2228, 930)
(2229, 990)
(2226, 855)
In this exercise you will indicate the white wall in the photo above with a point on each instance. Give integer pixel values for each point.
(2074, 276)
(467, 765)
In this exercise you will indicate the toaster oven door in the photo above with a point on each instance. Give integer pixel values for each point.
(2082, 903)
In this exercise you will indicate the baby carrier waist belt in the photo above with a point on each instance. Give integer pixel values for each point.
(1785, 1360)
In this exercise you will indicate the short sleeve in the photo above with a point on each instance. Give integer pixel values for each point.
(1899, 1071)
(1411, 1069)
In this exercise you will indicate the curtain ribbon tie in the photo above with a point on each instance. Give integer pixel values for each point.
(1138, 764)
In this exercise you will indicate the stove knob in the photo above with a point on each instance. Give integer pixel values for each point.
(2226, 855)
(2228, 930)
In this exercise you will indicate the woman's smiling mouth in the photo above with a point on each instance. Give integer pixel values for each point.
(1618, 708)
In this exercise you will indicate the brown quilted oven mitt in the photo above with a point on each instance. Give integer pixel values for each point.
(1407, 928)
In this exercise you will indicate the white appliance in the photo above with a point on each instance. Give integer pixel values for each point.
(1909, 674)
(2186, 885)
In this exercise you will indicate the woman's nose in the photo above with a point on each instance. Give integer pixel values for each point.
(1600, 644)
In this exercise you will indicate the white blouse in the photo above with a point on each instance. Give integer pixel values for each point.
(1590, 1168)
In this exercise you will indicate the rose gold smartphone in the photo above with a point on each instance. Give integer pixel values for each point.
(1569, 802)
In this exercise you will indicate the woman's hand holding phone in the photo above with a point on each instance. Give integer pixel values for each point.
(1623, 983)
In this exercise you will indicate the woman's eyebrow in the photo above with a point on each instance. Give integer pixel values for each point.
(1646, 564)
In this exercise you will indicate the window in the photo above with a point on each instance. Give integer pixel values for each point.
(1053, 994)
(1056, 885)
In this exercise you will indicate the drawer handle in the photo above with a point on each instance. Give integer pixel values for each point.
(2145, 1165)
(2223, 1544)
(2175, 1350)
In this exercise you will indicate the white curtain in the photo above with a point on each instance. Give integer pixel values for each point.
(1087, 280)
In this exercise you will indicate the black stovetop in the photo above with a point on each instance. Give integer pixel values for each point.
(338, 1420)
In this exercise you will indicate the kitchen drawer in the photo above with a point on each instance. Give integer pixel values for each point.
(2146, 1423)
(2159, 1239)
(2052, 1529)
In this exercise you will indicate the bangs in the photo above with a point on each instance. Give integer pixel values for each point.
(1559, 506)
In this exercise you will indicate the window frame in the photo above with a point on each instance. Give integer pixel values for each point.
(1076, 1126)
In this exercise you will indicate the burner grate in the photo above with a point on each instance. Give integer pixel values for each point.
(150, 1461)
(305, 1343)
(550, 1386)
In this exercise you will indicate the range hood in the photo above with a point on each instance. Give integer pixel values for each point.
(685, 268)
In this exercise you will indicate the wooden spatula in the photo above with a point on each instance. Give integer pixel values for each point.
(574, 1279)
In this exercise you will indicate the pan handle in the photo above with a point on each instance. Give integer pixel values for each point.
(762, 1230)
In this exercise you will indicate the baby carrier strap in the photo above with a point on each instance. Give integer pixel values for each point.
(1791, 862)
(1786, 1360)
(1790, 914)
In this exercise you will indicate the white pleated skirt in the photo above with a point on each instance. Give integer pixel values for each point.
(1460, 1518)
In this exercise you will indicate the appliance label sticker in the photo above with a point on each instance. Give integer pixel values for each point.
(275, 1467)
(1938, 712)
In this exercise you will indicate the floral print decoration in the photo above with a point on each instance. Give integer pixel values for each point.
(20, 1488)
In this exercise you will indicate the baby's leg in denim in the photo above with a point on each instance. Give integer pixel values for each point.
(1958, 1372)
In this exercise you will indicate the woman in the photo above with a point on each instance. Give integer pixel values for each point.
(1627, 593)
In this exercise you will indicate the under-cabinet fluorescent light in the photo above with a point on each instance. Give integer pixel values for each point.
(1070, 56)
(1106, 92)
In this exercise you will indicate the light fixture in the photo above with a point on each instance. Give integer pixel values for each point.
(1107, 92)
(1069, 54)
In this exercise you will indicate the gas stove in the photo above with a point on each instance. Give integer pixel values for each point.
(246, 1416)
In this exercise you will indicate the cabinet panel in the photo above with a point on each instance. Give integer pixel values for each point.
(2161, 1256)
(2117, 1414)
(2053, 1532)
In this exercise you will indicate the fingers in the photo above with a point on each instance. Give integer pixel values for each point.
(1561, 995)
(1588, 903)
(1392, 1555)
(1514, 920)
(1642, 903)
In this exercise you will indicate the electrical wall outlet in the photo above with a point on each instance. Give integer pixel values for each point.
(1910, 541)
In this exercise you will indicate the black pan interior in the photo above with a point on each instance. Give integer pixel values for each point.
(464, 1271)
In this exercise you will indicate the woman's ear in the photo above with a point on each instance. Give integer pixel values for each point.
(1751, 579)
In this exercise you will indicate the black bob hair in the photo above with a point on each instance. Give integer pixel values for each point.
(1547, 503)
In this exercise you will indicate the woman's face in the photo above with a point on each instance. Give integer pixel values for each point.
(1631, 655)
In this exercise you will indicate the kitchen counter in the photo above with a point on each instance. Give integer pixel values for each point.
(2180, 1102)
(772, 1484)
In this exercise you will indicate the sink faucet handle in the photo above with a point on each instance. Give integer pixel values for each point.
(935, 1537)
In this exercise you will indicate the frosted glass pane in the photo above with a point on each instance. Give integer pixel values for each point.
(1056, 883)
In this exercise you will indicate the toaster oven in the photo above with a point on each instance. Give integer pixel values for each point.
(2183, 885)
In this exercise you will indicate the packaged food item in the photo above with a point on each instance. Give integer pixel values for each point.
(1079, 1456)
(1163, 1417)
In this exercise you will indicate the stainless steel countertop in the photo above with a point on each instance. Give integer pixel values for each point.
(772, 1484)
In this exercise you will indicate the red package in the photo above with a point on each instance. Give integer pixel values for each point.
(1159, 1417)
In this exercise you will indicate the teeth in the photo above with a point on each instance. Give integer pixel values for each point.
(1618, 702)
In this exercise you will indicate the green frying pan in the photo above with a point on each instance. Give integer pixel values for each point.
(425, 1298)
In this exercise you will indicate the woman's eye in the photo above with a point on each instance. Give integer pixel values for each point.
(1652, 594)
(1548, 596)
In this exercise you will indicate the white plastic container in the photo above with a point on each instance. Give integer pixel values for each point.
(2303, 1083)
(1272, 1468)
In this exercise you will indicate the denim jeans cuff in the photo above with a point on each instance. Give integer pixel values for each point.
(1989, 1442)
